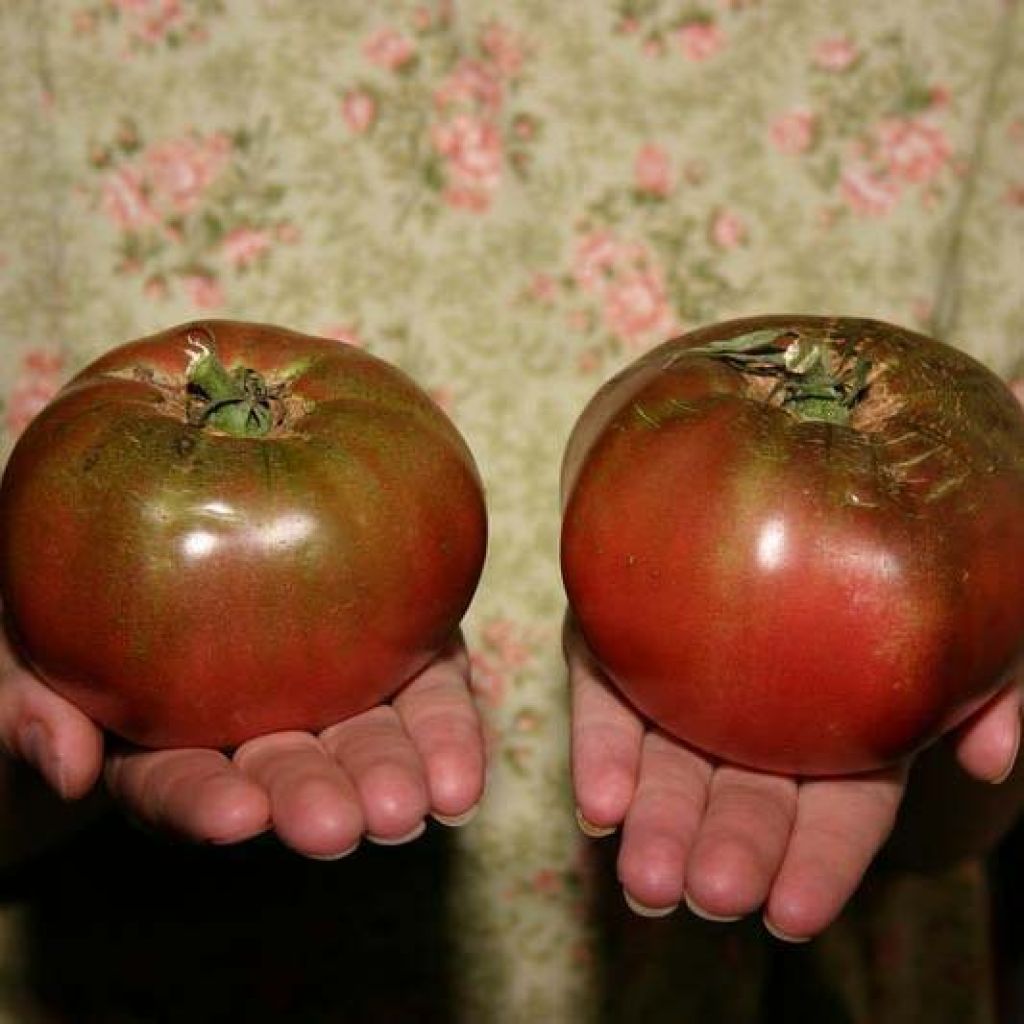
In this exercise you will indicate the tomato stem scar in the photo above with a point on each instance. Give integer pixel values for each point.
(813, 378)
(236, 402)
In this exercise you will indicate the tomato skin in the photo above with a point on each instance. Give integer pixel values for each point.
(791, 595)
(186, 587)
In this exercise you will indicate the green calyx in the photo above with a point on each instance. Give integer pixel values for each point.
(236, 402)
(813, 379)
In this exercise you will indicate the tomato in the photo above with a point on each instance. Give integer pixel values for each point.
(227, 529)
(797, 543)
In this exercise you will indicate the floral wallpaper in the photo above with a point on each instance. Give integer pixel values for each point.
(511, 201)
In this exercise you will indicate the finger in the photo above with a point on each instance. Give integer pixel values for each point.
(606, 745)
(840, 826)
(377, 755)
(661, 823)
(741, 842)
(314, 806)
(440, 718)
(197, 794)
(41, 727)
(987, 743)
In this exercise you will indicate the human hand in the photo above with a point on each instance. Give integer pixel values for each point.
(728, 840)
(378, 774)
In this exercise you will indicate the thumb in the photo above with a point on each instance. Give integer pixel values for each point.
(42, 728)
(987, 743)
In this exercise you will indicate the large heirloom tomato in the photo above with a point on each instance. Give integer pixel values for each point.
(227, 529)
(797, 543)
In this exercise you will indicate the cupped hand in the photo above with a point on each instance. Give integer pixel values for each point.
(377, 775)
(730, 841)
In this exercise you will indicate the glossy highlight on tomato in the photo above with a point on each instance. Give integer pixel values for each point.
(227, 529)
(797, 543)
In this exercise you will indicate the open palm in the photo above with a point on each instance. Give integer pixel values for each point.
(728, 840)
(377, 775)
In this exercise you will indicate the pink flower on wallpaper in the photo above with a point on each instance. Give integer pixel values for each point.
(444, 397)
(422, 18)
(288, 233)
(836, 53)
(182, 170)
(913, 149)
(504, 48)
(524, 127)
(652, 171)
(503, 649)
(158, 19)
(466, 79)
(543, 288)
(825, 217)
(39, 379)
(347, 334)
(922, 311)
(43, 363)
(547, 882)
(204, 292)
(527, 721)
(359, 110)
(488, 679)
(83, 22)
(793, 132)
(867, 192)
(471, 84)
(156, 288)
(125, 201)
(653, 47)
(472, 148)
(389, 49)
(146, 24)
(579, 321)
(728, 230)
(472, 198)
(636, 307)
(596, 254)
(244, 246)
(136, 6)
(700, 40)
(505, 638)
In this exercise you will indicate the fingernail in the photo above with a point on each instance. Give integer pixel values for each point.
(588, 828)
(37, 748)
(1011, 764)
(407, 838)
(457, 820)
(643, 910)
(778, 933)
(706, 915)
(334, 856)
